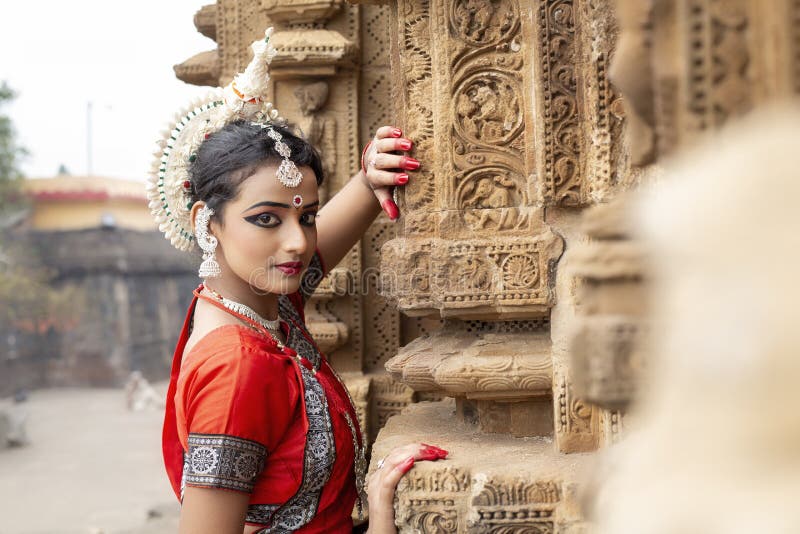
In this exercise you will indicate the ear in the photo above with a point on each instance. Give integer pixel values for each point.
(196, 207)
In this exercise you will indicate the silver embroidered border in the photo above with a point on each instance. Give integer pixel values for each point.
(297, 339)
(319, 457)
(221, 461)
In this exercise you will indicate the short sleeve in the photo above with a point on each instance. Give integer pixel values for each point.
(239, 402)
(313, 276)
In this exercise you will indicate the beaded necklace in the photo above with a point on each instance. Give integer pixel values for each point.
(273, 325)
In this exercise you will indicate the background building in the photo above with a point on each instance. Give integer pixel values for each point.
(127, 286)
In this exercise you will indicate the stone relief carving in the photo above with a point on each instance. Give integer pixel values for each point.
(487, 109)
(428, 500)
(415, 40)
(318, 129)
(474, 275)
(562, 140)
(576, 420)
(482, 22)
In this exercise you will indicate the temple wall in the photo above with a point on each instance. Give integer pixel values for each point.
(511, 291)
(128, 288)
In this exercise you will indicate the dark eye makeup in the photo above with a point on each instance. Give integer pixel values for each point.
(270, 220)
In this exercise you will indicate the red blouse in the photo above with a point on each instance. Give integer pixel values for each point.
(246, 414)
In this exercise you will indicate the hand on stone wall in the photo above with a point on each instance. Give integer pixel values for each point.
(383, 482)
(379, 163)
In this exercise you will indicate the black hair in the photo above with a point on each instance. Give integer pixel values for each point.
(234, 153)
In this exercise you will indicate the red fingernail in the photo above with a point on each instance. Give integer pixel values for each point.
(390, 208)
(410, 164)
(404, 144)
(405, 466)
(429, 455)
(402, 179)
(440, 453)
(397, 132)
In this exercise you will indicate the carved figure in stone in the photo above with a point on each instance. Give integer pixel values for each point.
(319, 130)
(253, 407)
(490, 201)
(483, 21)
(469, 274)
(488, 111)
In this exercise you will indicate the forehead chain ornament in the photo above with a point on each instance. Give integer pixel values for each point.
(288, 174)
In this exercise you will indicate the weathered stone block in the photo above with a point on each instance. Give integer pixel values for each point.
(524, 485)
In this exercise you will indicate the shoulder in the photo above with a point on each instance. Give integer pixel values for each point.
(231, 368)
(237, 355)
(231, 341)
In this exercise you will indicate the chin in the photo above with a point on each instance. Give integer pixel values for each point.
(262, 284)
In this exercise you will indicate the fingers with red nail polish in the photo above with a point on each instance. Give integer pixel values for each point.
(396, 132)
(433, 448)
(402, 179)
(390, 208)
(406, 465)
(409, 164)
(403, 144)
(429, 455)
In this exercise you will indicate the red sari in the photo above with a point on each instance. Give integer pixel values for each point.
(245, 413)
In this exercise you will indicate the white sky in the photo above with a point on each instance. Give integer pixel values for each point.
(59, 55)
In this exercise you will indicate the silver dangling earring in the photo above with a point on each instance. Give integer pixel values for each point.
(208, 243)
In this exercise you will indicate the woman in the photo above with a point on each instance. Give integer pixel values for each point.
(260, 435)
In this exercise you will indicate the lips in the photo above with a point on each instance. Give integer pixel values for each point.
(290, 268)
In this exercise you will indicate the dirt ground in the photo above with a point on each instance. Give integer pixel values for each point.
(92, 467)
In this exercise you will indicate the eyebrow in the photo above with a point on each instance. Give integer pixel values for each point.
(279, 205)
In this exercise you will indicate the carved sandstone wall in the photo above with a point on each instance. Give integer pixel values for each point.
(524, 311)
(519, 130)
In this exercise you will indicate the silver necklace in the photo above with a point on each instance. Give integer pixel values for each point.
(242, 309)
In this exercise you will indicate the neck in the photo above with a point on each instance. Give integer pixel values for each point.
(265, 305)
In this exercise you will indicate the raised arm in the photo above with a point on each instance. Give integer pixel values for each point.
(345, 218)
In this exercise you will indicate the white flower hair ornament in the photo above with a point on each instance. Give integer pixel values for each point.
(169, 185)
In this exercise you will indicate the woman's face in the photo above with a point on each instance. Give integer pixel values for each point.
(265, 241)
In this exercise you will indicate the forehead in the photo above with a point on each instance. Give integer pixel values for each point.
(264, 185)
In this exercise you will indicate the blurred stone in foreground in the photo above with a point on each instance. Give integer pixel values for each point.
(714, 443)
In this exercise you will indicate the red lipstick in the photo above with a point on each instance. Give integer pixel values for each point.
(290, 268)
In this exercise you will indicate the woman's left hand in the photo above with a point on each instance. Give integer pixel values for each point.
(383, 169)
(383, 482)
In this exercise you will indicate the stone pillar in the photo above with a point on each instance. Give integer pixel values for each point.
(686, 68)
(518, 130)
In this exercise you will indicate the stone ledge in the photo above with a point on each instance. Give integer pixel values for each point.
(201, 69)
(524, 485)
(485, 366)
(299, 49)
(492, 278)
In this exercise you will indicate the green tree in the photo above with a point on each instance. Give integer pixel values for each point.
(10, 155)
(27, 299)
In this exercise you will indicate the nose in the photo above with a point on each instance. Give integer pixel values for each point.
(294, 239)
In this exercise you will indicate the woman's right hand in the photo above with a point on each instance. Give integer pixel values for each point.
(384, 480)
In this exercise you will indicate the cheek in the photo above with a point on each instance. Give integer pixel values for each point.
(248, 247)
